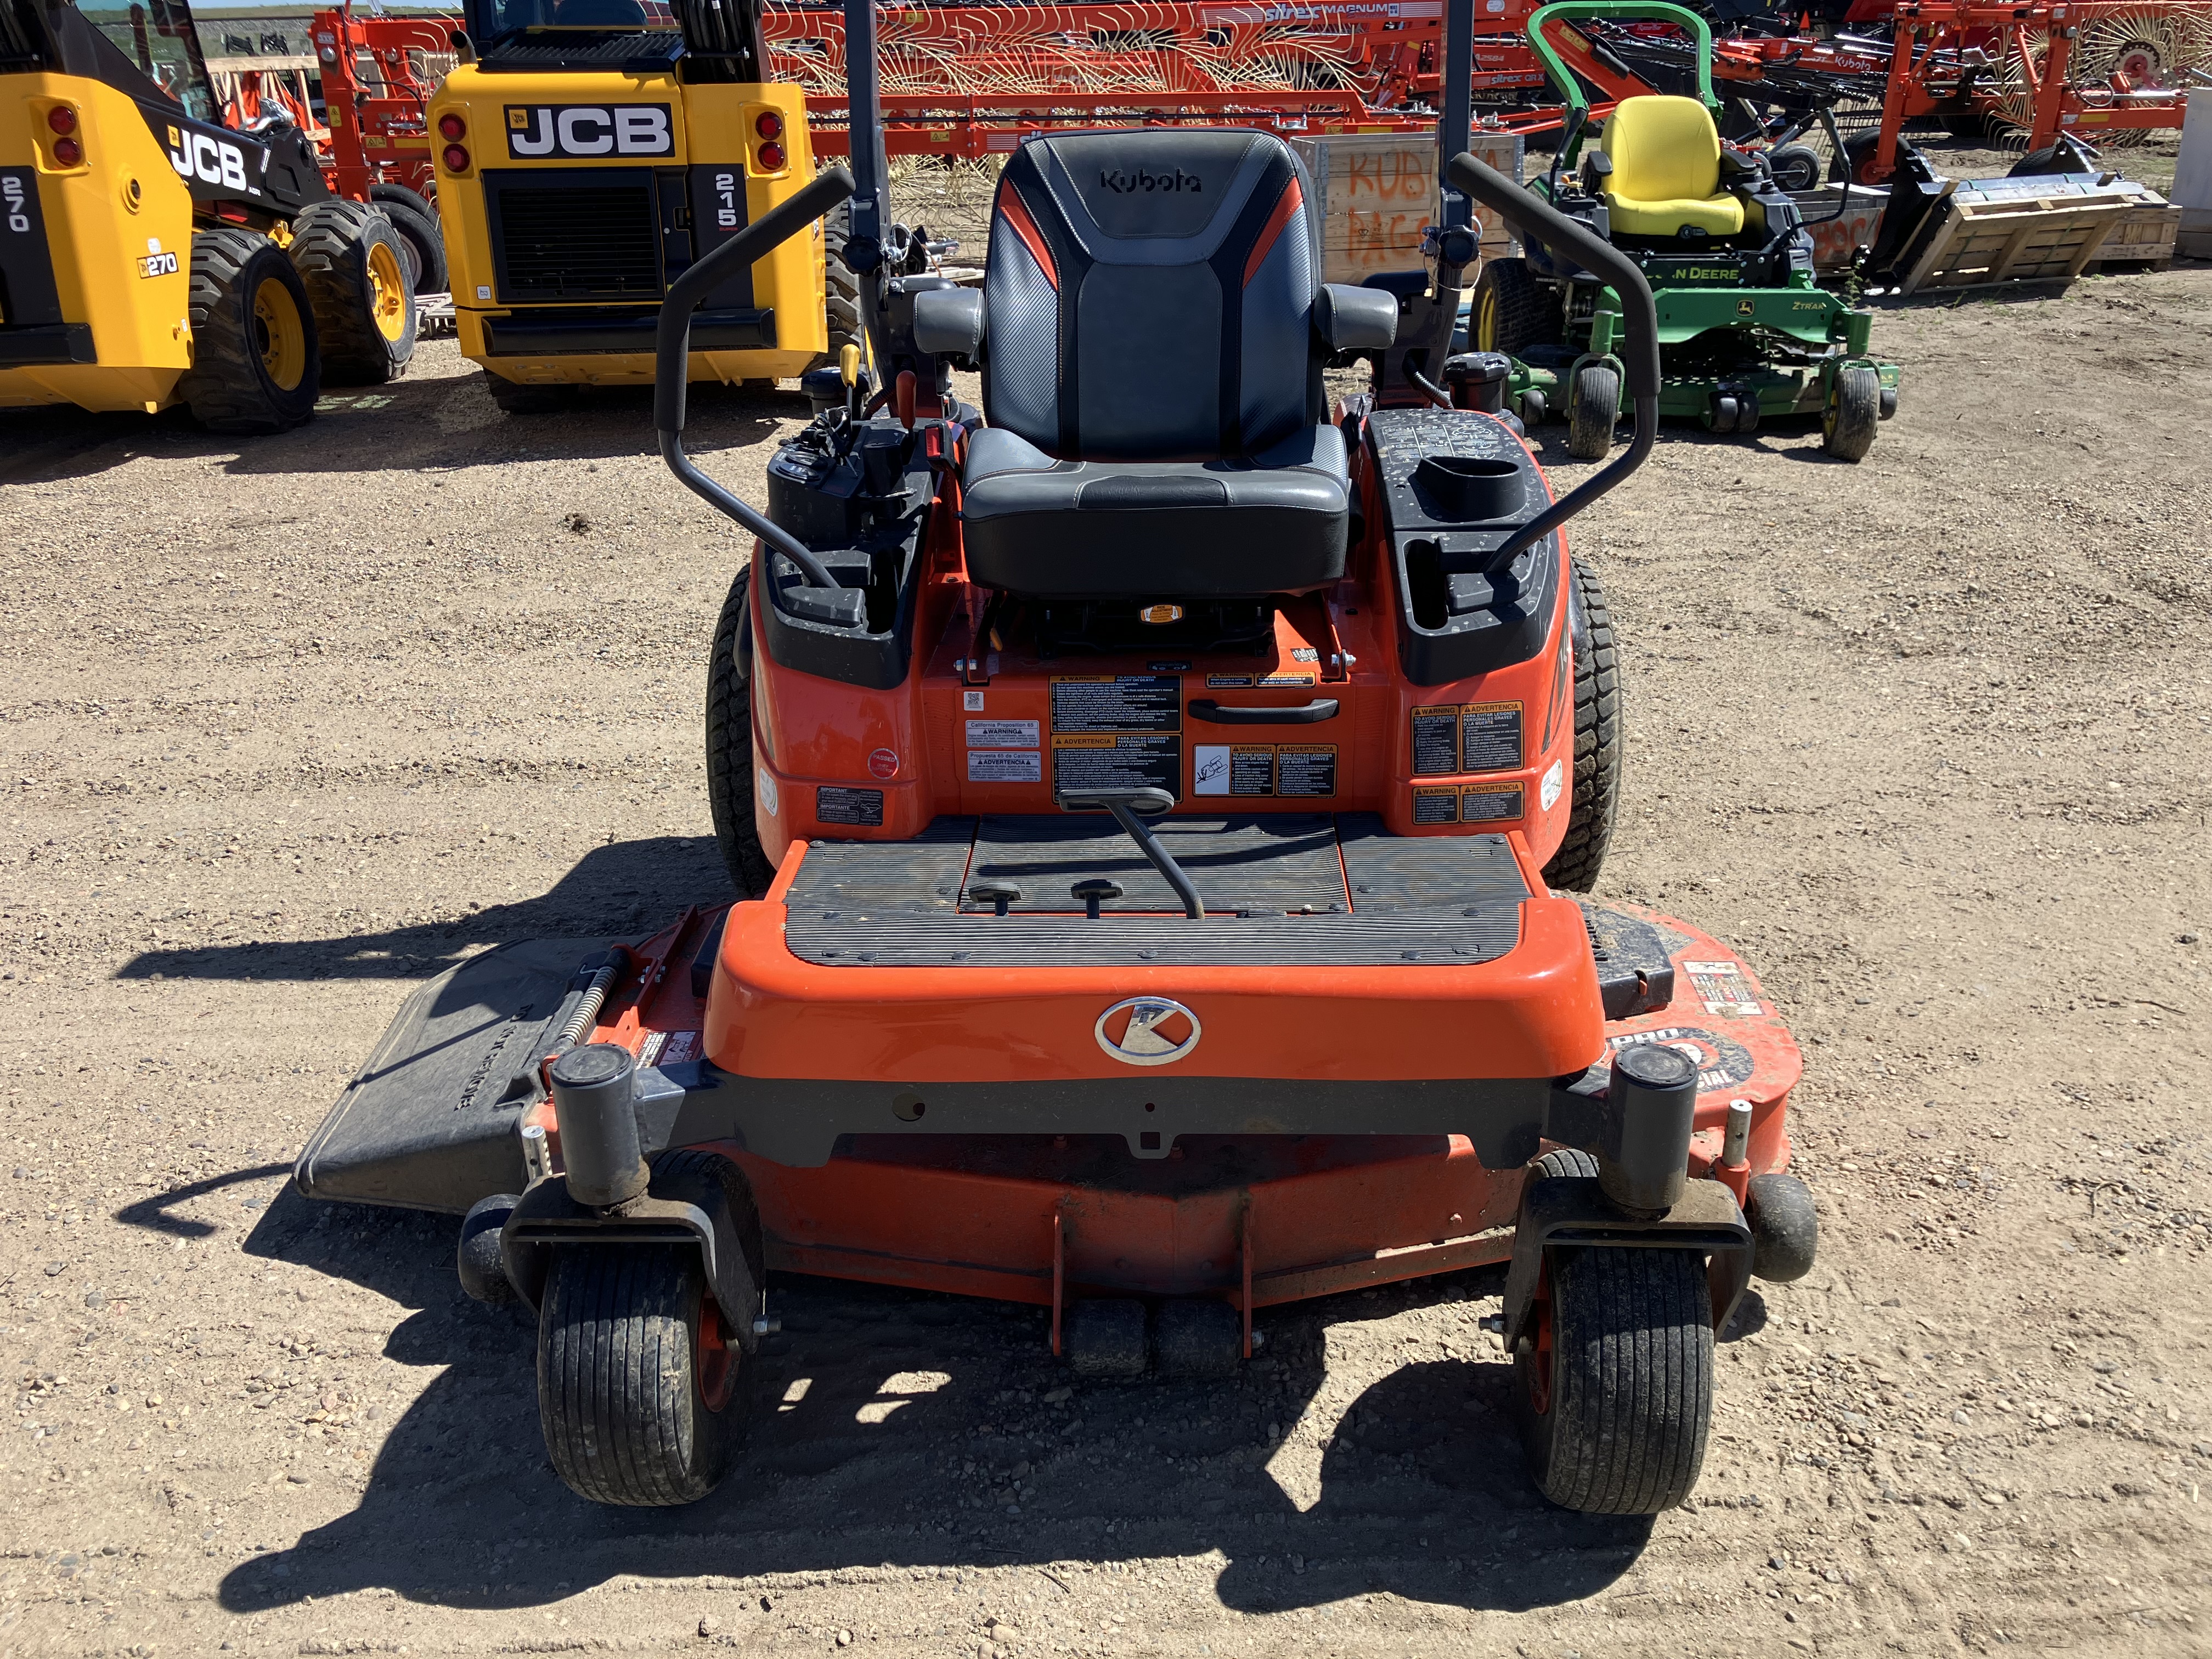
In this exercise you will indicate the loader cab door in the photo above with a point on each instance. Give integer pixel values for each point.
(160, 38)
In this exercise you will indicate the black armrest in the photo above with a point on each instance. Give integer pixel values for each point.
(1350, 319)
(948, 322)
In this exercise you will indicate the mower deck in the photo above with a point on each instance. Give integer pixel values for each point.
(1263, 1216)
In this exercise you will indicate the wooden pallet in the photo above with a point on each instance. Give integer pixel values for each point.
(1378, 190)
(2039, 239)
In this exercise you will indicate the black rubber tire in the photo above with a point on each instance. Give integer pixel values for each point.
(730, 745)
(1630, 1402)
(1197, 1338)
(1595, 801)
(339, 247)
(422, 236)
(1853, 414)
(1565, 1161)
(618, 1390)
(476, 1258)
(228, 388)
(1509, 308)
(1104, 1337)
(1593, 411)
(840, 288)
(1796, 167)
(386, 193)
(515, 399)
(1785, 1231)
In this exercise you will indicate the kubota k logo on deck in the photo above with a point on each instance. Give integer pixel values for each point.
(1148, 1031)
(575, 130)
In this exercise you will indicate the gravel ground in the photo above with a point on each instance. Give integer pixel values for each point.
(294, 722)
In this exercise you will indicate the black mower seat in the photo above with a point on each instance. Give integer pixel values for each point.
(1151, 374)
(1272, 524)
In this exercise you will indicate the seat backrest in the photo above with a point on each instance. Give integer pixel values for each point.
(1149, 296)
(1662, 149)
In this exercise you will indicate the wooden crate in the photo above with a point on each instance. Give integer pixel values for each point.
(2038, 239)
(1378, 190)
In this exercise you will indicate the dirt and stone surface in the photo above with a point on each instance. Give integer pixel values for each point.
(290, 723)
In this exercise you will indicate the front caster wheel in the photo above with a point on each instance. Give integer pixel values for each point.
(1616, 1379)
(636, 1374)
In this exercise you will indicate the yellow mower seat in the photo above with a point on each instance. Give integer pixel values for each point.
(1666, 156)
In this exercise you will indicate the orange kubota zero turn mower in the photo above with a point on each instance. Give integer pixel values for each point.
(1149, 810)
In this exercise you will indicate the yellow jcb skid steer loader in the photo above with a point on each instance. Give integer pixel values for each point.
(150, 256)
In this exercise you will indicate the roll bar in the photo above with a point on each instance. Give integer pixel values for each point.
(1656, 10)
(1537, 219)
(672, 354)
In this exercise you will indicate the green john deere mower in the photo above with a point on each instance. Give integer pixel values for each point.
(1745, 332)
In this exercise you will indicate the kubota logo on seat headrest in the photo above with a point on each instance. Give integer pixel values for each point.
(1127, 184)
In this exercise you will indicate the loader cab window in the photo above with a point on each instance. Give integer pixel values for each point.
(494, 20)
(160, 38)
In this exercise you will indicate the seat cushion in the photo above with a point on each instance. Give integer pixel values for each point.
(1715, 215)
(1666, 156)
(1273, 523)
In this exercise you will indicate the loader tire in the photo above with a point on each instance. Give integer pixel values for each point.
(1616, 1383)
(1509, 310)
(1594, 799)
(254, 363)
(355, 267)
(730, 745)
(1853, 414)
(840, 288)
(421, 237)
(636, 1374)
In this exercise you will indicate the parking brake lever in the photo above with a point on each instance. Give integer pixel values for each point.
(1130, 807)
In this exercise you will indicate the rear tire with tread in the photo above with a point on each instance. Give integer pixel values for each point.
(1596, 796)
(1510, 310)
(730, 745)
(355, 267)
(1618, 1421)
(840, 288)
(619, 1395)
(229, 386)
(1796, 167)
(418, 228)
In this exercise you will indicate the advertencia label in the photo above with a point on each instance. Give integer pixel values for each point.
(1005, 765)
(1490, 737)
(1488, 803)
(1116, 761)
(1305, 768)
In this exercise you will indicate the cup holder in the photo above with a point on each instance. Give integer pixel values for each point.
(1470, 488)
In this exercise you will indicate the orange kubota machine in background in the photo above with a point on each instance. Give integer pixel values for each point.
(1157, 817)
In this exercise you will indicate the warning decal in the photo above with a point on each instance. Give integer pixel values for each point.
(1002, 734)
(1490, 737)
(1489, 803)
(1226, 681)
(1435, 741)
(1436, 807)
(1721, 1064)
(1116, 761)
(1720, 985)
(1117, 703)
(1305, 768)
(862, 806)
(1005, 765)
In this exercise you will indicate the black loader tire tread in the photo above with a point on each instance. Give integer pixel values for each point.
(384, 192)
(1847, 429)
(330, 244)
(840, 288)
(226, 388)
(1524, 314)
(1600, 750)
(1632, 1382)
(419, 228)
(617, 1396)
(1593, 412)
(730, 746)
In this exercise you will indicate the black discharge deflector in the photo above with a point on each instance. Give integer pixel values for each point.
(1456, 484)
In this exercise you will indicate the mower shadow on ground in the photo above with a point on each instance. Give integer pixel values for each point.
(626, 888)
(440, 424)
(884, 1429)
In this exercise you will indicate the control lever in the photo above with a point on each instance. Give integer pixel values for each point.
(1130, 807)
